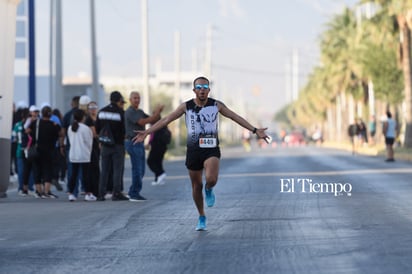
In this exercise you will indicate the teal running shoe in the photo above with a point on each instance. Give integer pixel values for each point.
(201, 225)
(210, 197)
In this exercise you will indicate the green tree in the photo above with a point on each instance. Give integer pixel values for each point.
(401, 10)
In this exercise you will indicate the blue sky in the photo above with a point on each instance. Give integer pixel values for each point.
(252, 40)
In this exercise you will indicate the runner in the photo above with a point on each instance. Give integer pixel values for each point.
(203, 152)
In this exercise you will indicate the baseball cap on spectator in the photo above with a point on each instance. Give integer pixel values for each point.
(116, 96)
(84, 100)
(33, 108)
(21, 105)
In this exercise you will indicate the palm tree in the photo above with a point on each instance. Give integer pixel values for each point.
(339, 53)
(401, 10)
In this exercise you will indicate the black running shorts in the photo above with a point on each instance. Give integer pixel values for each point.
(389, 141)
(195, 158)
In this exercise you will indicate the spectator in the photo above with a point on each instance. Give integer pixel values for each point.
(246, 140)
(81, 140)
(13, 159)
(55, 164)
(353, 132)
(28, 169)
(363, 135)
(45, 134)
(372, 128)
(111, 129)
(389, 131)
(67, 120)
(18, 135)
(158, 146)
(59, 173)
(94, 168)
(135, 120)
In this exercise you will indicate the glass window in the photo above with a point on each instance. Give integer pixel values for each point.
(21, 50)
(21, 8)
(20, 29)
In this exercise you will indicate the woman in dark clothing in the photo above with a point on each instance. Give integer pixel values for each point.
(94, 168)
(47, 136)
(158, 146)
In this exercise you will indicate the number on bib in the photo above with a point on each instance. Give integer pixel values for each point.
(207, 142)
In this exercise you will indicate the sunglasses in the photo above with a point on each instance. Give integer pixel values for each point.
(199, 87)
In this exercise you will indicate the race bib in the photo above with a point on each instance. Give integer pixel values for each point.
(207, 142)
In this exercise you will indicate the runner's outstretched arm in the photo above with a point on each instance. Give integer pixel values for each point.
(225, 111)
(141, 134)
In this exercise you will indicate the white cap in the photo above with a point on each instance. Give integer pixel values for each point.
(21, 105)
(45, 104)
(33, 108)
(84, 100)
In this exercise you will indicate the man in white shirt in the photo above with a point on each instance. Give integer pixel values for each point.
(389, 130)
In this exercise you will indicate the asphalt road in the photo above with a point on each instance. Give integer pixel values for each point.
(278, 210)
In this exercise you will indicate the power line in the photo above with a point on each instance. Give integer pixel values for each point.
(252, 71)
(119, 14)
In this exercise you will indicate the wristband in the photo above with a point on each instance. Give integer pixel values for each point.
(254, 130)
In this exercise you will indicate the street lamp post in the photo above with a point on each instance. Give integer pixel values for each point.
(95, 75)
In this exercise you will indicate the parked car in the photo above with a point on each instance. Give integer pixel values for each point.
(295, 138)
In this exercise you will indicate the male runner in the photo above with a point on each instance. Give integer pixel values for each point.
(203, 153)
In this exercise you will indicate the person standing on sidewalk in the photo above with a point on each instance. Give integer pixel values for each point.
(389, 131)
(67, 121)
(81, 140)
(18, 135)
(203, 152)
(136, 119)
(159, 140)
(110, 127)
(372, 128)
(44, 134)
(94, 167)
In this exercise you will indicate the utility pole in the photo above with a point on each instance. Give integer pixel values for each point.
(51, 52)
(60, 102)
(177, 95)
(194, 60)
(295, 75)
(95, 75)
(288, 82)
(145, 57)
(208, 54)
(32, 54)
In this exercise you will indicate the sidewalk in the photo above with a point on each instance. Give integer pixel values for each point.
(401, 153)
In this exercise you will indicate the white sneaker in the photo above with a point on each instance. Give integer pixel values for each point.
(108, 196)
(154, 183)
(72, 198)
(161, 179)
(22, 193)
(90, 198)
(12, 179)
